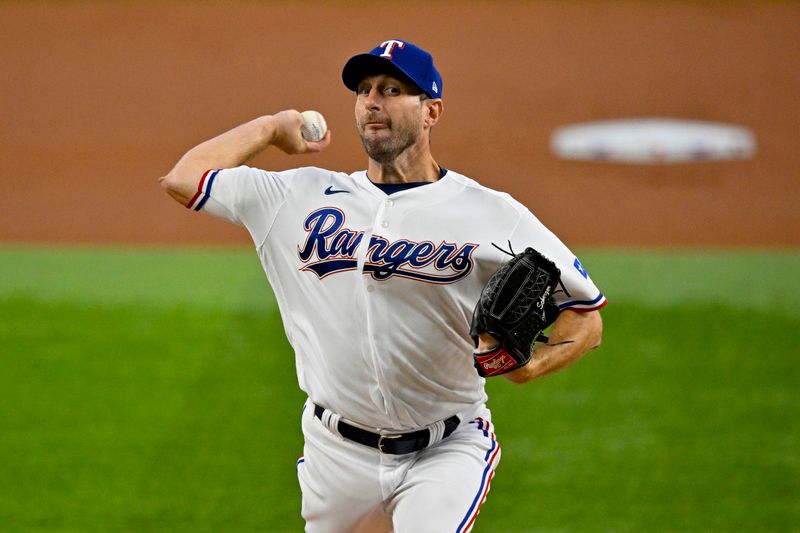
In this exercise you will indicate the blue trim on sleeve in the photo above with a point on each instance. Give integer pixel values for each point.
(566, 305)
(207, 194)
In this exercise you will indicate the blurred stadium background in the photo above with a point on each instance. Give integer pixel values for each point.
(145, 381)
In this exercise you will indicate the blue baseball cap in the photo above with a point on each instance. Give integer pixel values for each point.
(392, 57)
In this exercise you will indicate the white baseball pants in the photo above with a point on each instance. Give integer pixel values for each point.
(349, 487)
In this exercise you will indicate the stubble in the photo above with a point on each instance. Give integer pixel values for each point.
(386, 149)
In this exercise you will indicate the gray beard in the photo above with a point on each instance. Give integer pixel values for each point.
(386, 151)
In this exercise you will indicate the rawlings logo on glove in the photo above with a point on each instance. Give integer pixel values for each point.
(515, 307)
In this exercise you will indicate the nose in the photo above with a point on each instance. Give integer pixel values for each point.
(372, 99)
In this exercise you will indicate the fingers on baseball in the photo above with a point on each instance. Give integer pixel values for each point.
(316, 146)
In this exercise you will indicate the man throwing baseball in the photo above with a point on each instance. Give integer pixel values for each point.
(397, 297)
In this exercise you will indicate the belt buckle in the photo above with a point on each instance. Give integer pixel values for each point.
(381, 437)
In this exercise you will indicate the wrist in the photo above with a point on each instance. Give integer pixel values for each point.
(522, 374)
(486, 342)
(535, 368)
(541, 362)
(267, 128)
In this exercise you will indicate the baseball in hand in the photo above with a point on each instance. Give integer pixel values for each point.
(314, 126)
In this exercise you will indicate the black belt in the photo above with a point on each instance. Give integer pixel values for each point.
(395, 444)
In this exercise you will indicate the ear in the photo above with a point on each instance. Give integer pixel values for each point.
(433, 111)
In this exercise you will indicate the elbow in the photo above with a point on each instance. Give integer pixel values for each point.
(168, 182)
(174, 187)
(597, 341)
(596, 338)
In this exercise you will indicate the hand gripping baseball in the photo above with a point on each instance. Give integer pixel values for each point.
(287, 134)
(515, 307)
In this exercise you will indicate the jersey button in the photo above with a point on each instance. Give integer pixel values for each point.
(385, 224)
(370, 288)
(389, 202)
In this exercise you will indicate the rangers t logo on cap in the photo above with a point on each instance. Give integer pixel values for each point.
(389, 46)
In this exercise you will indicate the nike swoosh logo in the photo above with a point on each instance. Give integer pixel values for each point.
(331, 190)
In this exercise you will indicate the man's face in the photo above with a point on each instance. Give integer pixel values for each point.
(389, 116)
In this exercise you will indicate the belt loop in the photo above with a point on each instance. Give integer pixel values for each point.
(331, 421)
(436, 432)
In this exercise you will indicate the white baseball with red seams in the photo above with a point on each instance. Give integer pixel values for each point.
(377, 292)
(314, 126)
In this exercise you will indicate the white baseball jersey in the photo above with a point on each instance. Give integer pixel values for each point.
(376, 292)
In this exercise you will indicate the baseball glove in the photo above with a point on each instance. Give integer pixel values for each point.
(515, 307)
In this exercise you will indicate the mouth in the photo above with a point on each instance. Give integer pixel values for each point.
(374, 123)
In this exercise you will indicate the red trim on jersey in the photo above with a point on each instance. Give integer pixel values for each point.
(199, 189)
(586, 309)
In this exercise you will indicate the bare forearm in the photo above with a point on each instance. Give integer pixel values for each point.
(571, 337)
(236, 147)
(230, 149)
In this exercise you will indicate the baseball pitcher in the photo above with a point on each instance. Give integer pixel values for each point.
(402, 288)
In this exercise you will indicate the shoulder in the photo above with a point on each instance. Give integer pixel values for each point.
(316, 172)
(487, 196)
(305, 174)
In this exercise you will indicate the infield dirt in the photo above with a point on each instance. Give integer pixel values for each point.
(97, 100)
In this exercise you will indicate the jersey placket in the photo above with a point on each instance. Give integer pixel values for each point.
(378, 302)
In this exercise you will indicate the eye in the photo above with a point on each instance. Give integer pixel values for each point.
(363, 89)
(391, 90)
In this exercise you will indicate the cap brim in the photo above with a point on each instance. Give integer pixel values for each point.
(362, 65)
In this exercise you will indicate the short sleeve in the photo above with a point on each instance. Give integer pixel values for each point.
(247, 196)
(577, 291)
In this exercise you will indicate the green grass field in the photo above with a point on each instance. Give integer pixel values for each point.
(153, 390)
